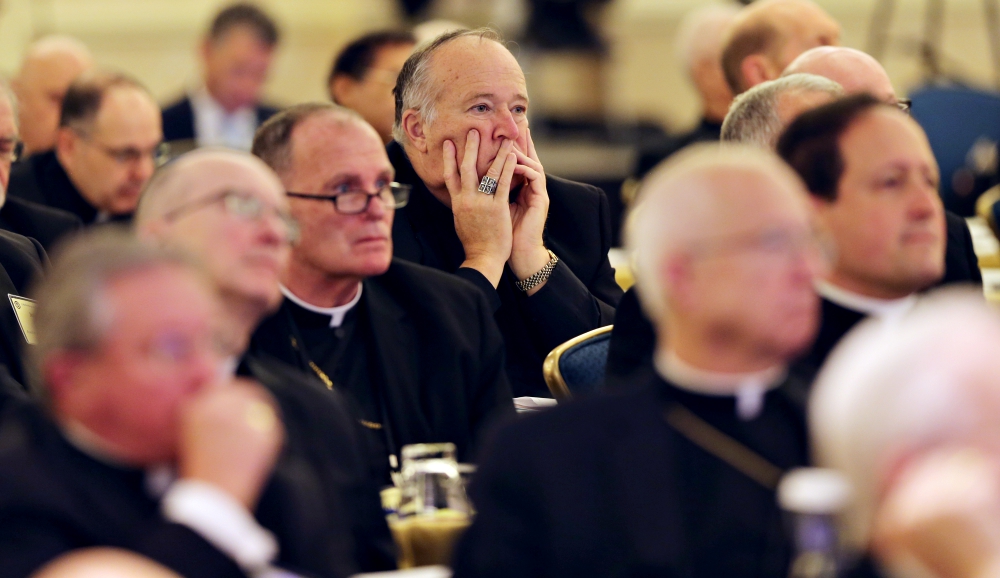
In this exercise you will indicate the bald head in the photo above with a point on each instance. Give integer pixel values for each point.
(852, 69)
(49, 67)
(768, 35)
(699, 47)
(103, 563)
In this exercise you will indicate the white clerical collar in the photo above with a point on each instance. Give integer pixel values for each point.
(748, 388)
(336, 314)
(889, 308)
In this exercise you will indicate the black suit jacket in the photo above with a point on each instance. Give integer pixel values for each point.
(178, 119)
(42, 179)
(580, 295)
(604, 486)
(45, 224)
(54, 498)
(22, 260)
(439, 352)
(960, 262)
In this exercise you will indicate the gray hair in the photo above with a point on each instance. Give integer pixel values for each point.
(73, 312)
(7, 93)
(415, 88)
(753, 116)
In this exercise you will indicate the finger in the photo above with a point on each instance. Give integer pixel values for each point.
(527, 172)
(503, 183)
(498, 163)
(451, 178)
(469, 177)
(528, 161)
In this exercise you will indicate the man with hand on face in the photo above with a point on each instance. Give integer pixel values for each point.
(229, 210)
(415, 348)
(483, 208)
(107, 146)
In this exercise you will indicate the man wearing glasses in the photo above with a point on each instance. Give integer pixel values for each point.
(108, 144)
(416, 349)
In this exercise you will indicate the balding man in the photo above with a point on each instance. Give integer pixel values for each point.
(768, 35)
(759, 115)
(108, 144)
(483, 208)
(859, 73)
(416, 349)
(49, 66)
(725, 259)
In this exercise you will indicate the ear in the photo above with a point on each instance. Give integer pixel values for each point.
(66, 144)
(756, 69)
(413, 125)
(675, 275)
(340, 89)
(58, 373)
(205, 49)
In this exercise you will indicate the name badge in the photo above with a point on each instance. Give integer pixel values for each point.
(24, 310)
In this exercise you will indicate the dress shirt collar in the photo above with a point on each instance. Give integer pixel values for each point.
(336, 314)
(216, 127)
(747, 388)
(888, 308)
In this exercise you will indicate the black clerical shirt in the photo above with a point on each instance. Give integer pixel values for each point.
(42, 179)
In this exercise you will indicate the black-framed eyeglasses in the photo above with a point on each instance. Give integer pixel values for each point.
(10, 149)
(130, 155)
(243, 205)
(904, 104)
(356, 201)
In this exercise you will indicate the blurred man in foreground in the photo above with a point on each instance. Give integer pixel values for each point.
(108, 144)
(859, 73)
(225, 110)
(230, 211)
(415, 348)
(50, 65)
(909, 412)
(145, 442)
(768, 35)
(725, 258)
(364, 74)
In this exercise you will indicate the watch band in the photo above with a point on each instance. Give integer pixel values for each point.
(541, 276)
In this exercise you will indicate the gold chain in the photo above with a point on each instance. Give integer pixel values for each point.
(329, 385)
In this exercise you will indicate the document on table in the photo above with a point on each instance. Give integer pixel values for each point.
(523, 404)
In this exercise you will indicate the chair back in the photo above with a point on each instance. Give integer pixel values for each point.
(577, 366)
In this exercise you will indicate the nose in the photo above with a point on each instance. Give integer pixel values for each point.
(506, 126)
(377, 208)
(143, 169)
(925, 202)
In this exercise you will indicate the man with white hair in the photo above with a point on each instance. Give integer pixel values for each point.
(483, 208)
(909, 412)
(626, 485)
(859, 73)
(699, 49)
(50, 65)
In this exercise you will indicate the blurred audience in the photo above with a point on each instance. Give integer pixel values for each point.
(767, 35)
(759, 115)
(143, 441)
(909, 412)
(229, 210)
(44, 224)
(416, 349)
(536, 245)
(50, 65)
(699, 50)
(873, 179)
(103, 563)
(225, 109)
(108, 143)
(678, 477)
(364, 74)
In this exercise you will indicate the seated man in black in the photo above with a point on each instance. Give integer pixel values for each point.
(42, 223)
(483, 208)
(416, 349)
(624, 485)
(228, 209)
(107, 147)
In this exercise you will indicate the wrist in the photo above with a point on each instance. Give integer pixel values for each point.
(526, 262)
(490, 267)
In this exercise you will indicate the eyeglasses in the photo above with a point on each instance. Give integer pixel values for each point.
(130, 155)
(242, 205)
(904, 104)
(773, 242)
(356, 201)
(10, 149)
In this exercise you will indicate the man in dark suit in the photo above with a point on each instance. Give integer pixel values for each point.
(42, 223)
(483, 208)
(107, 146)
(627, 485)
(225, 110)
(415, 349)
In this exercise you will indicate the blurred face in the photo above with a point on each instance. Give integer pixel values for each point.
(236, 67)
(371, 97)
(8, 140)
(245, 254)
(111, 161)
(481, 87)
(159, 352)
(40, 88)
(751, 285)
(805, 26)
(329, 157)
(887, 220)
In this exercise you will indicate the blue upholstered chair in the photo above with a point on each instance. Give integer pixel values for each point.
(577, 366)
